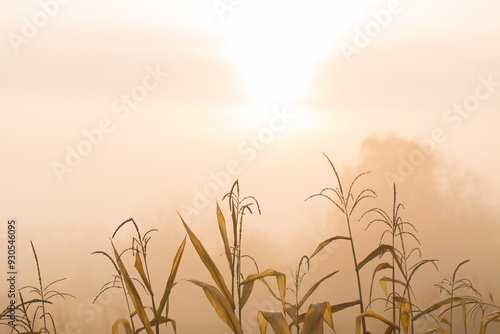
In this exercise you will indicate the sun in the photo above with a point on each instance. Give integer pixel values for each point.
(276, 56)
(274, 67)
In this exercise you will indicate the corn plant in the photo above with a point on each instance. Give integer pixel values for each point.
(128, 284)
(29, 319)
(398, 230)
(228, 302)
(451, 288)
(493, 317)
(346, 202)
(312, 319)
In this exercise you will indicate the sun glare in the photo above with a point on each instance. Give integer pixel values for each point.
(276, 57)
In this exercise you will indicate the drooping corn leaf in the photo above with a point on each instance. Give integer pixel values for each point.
(326, 243)
(436, 306)
(280, 279)
(444, 320)
(380, 267)
(371, 314)
(221, 305)
(126, 326)
(292, 313)
(494, 317)
(275, 319)
(379, 251)
(164, 320)
(132, 291)
(404, 313)
(437, 330)
(464, 313)
(383, 283)
(247, 291)
(316, 314)
(210, 265)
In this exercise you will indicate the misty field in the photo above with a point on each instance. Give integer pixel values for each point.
(385, 296)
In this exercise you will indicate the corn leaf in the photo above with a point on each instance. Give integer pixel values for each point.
(464, 313)
(140, 269)
(280, 279)
(314, 287)
(126, 325)
(164, 320)
(444, 320)
(171, 278)
(380, 267)
(316, 314)
(247, 290)
(379, 251)
(494, 317)
(292, 313)
(132, 291)
(437, 330)
(221, 305)
(210, 265)
(342, 306)
(371, 314)
(404, 313)
(436, 306)
(326, 242)
(275, 319)
(383, 282)
(223, 233)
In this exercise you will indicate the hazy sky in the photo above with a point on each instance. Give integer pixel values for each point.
(164, 96)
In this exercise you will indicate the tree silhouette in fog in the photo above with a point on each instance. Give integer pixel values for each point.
(451, 205)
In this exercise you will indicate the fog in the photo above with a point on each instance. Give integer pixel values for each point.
(111, 111)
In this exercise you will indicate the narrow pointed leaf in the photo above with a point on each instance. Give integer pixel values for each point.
(326, 243)
(140, 269)
(165, 320)
(436, 306)
(223, 233)
(371, 314)
(292, 313)
(314, 287)
(280, 279)
(444, 320)
(316, 314)
(221, 305)
(380, 267)
(247, 291)
(494, 317)
(464, 313)
(275, 319)
(171, 278)
(383, 282)
(209, 264)
(379, 251)
(343, 306)
(132, 291)
(437, 330)
(126, 325)
(404, 313)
